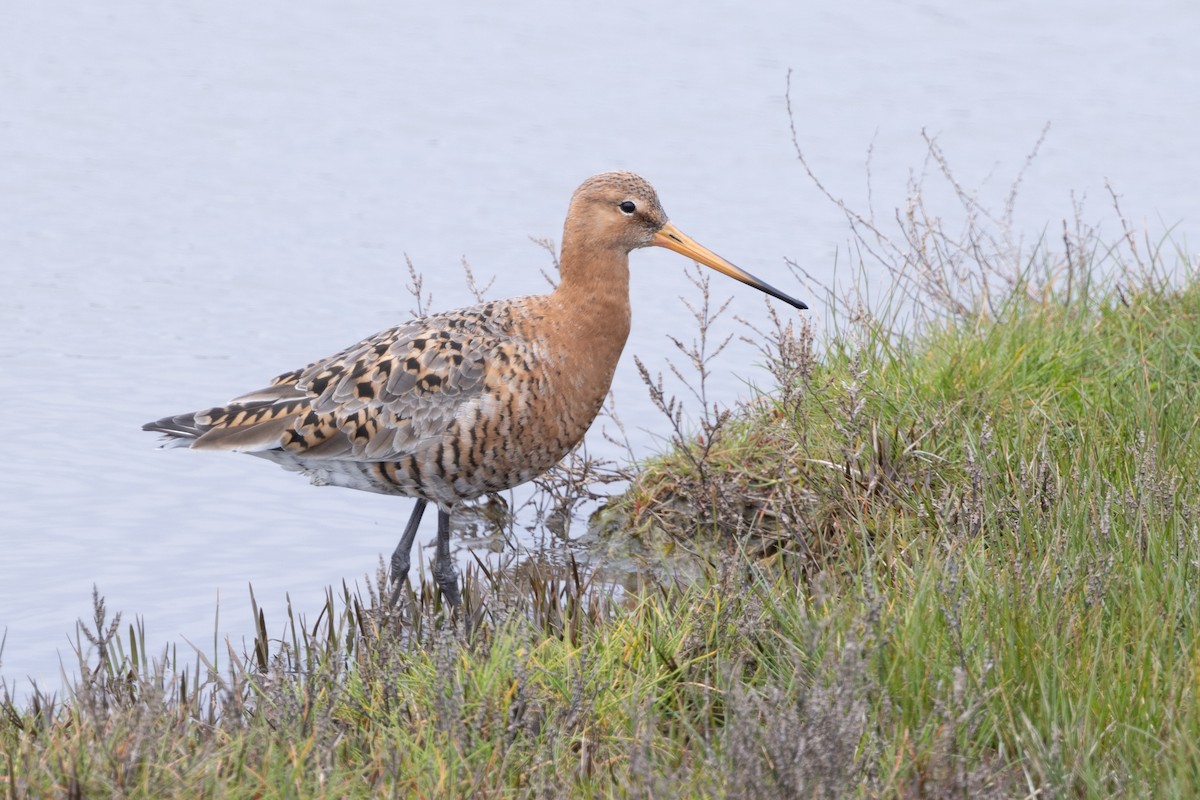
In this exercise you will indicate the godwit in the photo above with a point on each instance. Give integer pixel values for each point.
(451, 406)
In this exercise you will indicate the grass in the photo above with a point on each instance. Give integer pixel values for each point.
(960, 554)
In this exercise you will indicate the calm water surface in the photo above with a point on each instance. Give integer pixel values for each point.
(196, 196)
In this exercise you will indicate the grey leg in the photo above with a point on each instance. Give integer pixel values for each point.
(402, 557)
(443, 565)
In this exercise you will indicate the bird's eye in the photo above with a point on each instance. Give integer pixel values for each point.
(628, 207)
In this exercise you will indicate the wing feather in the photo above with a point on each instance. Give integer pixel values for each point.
(399, 390)
(380, 399)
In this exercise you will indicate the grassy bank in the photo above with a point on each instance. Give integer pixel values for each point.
(1001, 514)
(961, 555)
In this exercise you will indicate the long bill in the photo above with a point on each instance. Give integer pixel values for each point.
(672, 238)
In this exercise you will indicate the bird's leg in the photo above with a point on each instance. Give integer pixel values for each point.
(401, 558)
(443, 565)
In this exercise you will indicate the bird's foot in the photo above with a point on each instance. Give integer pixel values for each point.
(399, 576)
(447, 580)
(397, 590)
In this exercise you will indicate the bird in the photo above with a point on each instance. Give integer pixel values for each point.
(451, 406)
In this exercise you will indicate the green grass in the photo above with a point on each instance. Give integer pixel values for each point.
(1007, 503)
(963, 562)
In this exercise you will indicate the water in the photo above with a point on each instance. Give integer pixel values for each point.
(196, 196)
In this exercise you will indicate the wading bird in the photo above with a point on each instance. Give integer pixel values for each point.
(452, 406)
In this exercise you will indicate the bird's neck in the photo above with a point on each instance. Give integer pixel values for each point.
(591, 314)
(594, 288)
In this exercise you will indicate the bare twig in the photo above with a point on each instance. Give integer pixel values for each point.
(415, 287)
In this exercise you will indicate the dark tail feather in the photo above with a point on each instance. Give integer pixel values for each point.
(178, 431)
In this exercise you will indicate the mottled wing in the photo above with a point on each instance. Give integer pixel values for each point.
(380, 398)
